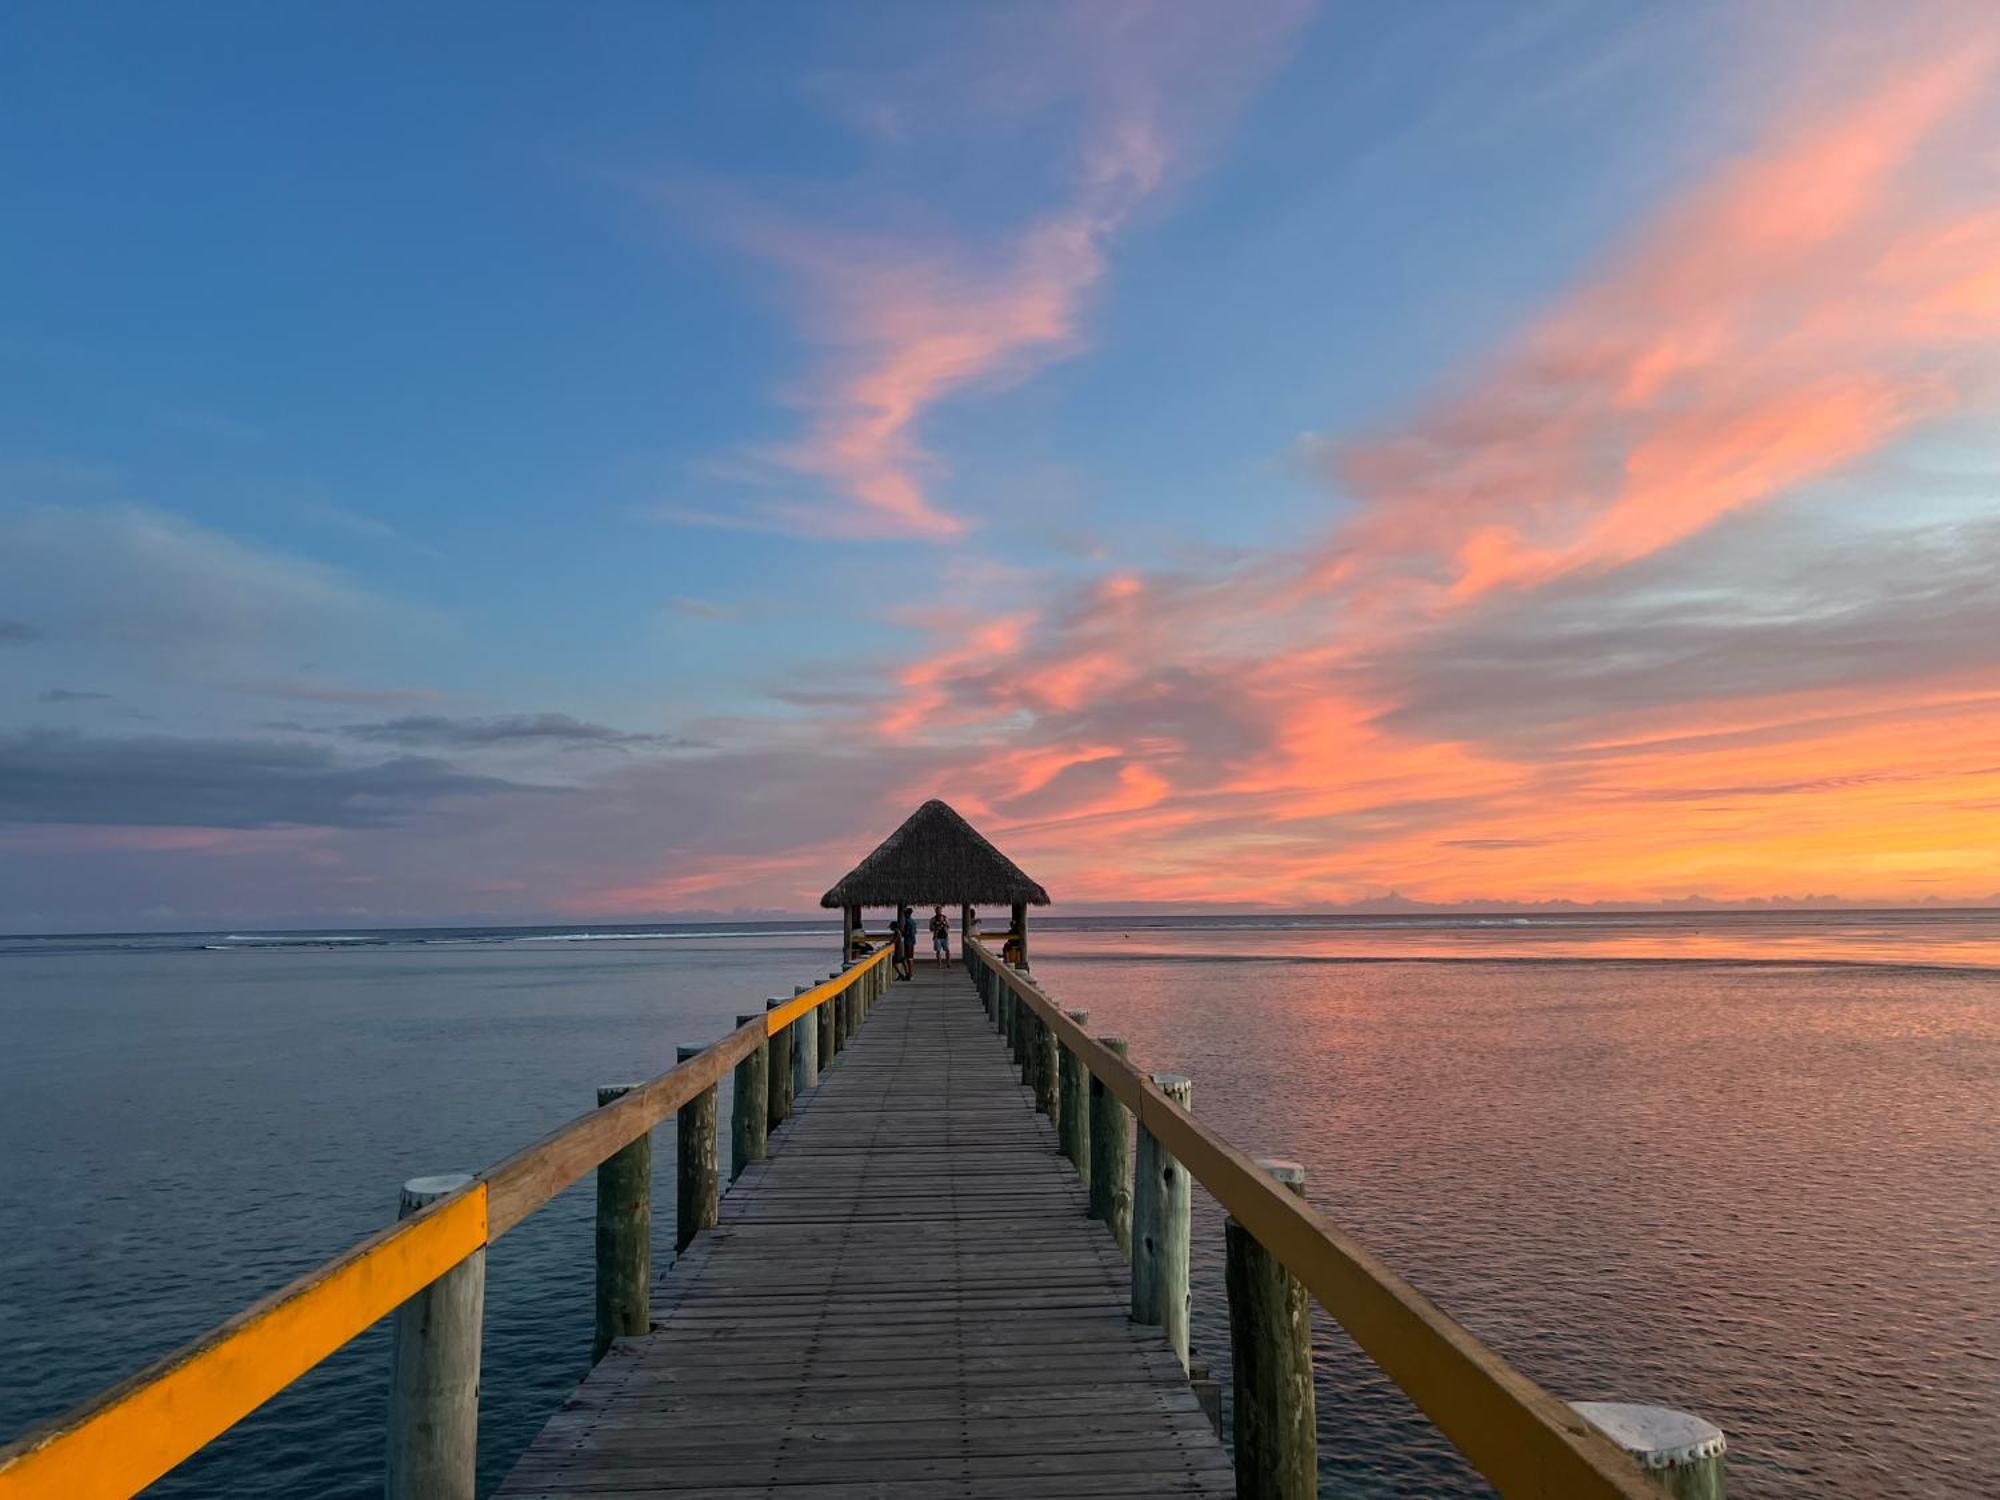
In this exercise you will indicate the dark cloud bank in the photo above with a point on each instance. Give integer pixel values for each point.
(156, 781)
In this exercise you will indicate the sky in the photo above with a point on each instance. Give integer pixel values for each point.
(525, 463)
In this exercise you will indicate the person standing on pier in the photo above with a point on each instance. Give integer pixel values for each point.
(906, 943)
(941, 936)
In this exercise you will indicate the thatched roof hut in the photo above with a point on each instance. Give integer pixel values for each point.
(935, 859)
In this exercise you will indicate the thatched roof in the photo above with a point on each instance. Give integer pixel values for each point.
(935, 859)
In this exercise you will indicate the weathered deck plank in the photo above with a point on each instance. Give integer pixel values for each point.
(904, 1302)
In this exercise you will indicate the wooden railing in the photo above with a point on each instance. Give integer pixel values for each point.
(115, 1444)
(1525, 1441)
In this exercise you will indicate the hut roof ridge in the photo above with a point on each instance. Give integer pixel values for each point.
(935, 858)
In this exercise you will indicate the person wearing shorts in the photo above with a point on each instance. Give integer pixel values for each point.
(941, 936)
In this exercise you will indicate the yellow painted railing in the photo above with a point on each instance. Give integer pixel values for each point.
(1525, 1441)
(115, 1444)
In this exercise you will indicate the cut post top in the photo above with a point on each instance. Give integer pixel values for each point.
(687, 1050)
(1081, 1017)
(606, 1092)
(1292, 1174)
(1657, 1437)
(419, 1191)
(1177, 1087)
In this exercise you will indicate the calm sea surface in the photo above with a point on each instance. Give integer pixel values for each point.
(1747, 1165)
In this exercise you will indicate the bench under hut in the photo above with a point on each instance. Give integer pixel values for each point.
(936, 858)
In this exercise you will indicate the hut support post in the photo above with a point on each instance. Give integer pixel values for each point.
(434, 1371)
(1073, 1125)
(624, 1237)
(749, 1122)
(1111, 1157)
(1270, 1340)
(698, 1202)
(850, 932)
(1019, 917)
(1162, 1214)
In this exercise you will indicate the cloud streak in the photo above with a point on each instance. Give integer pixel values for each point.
(908, 321)
(1780, 321)
(510, 731)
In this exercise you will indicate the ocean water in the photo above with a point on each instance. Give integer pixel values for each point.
(1747, 1165)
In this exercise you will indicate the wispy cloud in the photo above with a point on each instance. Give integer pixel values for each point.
(1783, 319)
(908, 319)
(505, 731)
(136, 575)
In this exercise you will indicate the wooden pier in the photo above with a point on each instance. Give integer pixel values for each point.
(952, 1265)
(906, 1299)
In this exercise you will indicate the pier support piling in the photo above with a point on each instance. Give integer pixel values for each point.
(698, 1201)
(1270, 1339)
(624, 1237)
(434, 1370)
(1683, 1455)
(1162, 1216)
(749, 1121)
(1073, 1125)
(1111, 1156)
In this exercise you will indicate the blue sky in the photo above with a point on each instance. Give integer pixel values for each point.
(608, 411)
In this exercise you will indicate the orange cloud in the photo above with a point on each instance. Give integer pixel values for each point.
(1779, 321)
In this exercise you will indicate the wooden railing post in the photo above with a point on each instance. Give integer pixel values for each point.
(749, 1120)
(1162, 1214)
(836, 1009)
(624, 1236)
(779, 1073)
(1683, 1455)
(1111, 1156)
(698, 1201)
(806, 1053)
(434, 1370)
(1073, 1126)
(1048, 1097)
(1270, 1344)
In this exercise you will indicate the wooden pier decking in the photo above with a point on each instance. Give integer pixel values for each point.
(904, 1300)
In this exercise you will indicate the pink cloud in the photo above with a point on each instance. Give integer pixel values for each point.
(1781, 320)
(910, 320)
